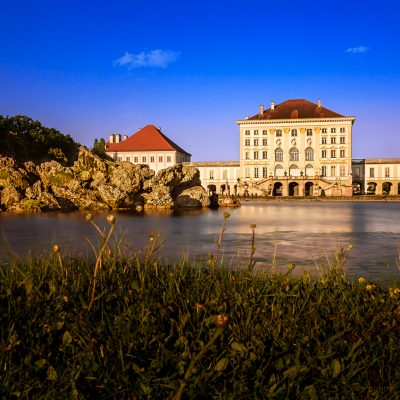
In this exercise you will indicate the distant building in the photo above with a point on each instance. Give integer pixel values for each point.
(147, 146)
(297, 148)
(222, 177)
(376, 176)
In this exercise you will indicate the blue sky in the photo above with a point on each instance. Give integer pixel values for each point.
(91, 68)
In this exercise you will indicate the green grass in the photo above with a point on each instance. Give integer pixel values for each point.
(123, 326)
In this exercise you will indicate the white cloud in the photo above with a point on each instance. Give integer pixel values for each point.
(359, 49)
(153, 59)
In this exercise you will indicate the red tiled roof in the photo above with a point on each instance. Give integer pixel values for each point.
(148, 138)
(297, 109)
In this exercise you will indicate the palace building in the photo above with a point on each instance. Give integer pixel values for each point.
(297, 148)
(147, 146)
(294, 148)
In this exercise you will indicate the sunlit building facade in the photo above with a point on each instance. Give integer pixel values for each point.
(147, 146)
(297, 148)
(379, 176)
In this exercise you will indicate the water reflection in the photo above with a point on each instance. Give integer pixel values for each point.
(305, 233)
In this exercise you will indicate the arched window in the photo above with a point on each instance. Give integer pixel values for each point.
(294, 170)
(278, 170)
(294, 154)
(309, 170)
(309, 154)
(278, 155)
(294, 132)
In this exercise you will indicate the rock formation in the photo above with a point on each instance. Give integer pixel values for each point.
(93, 183)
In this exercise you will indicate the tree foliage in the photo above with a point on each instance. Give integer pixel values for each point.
(27, 140)
(99, 148)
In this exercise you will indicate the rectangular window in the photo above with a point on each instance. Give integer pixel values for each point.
(333, 170)
(256, 172)
(356, 172)
(256, 132)
(342, 153)
(323, 170)
(211, 174)
(342, 170)
(225, 174)
(119, 158)
(333, 140)
(152, 159)
(247, 132)
(323, 154)
(265, 132)
(342, 130)
(342, 140)
(294, 132)
(256, 155)
(265, 172)
(333, 130)
(247, 172)
(247, 155)
(387, 172)
(255, 142)
(309, 132)
(279, 133)
(323, 130)
(333, 153)
(264, 155)
(143, 159)
(265, 142)
(160, 159)
(247, 142)
(128, 159)
(135, 159)
(372, 172)
(168, 158)
(323, 140)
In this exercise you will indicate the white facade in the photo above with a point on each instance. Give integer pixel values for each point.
(221, 177)
(376, 176)
(156, 160)
(147, 146)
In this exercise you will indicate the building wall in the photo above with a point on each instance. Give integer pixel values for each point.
(377, 176)
(219, 176)
(329, 140)
(156, 160)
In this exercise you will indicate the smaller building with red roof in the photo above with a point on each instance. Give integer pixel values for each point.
(147, 146)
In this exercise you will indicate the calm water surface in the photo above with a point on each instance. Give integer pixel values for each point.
(304, 233)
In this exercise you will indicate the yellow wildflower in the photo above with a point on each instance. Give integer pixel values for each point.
(361, 280)
(221, 320)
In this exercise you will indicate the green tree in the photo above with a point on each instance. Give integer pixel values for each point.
(99, 148)
(27, 140)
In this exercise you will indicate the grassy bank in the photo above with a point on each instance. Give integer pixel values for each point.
(125, 327)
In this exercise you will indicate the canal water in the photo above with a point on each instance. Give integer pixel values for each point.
(306, 233)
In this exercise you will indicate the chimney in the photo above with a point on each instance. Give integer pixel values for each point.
(261, 109)
(125, 137)
(112, 138)
(117, 138)
(272, 105)
(319, 103)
